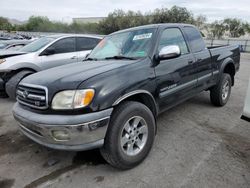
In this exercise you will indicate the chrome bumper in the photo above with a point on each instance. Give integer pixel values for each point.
(84, 132)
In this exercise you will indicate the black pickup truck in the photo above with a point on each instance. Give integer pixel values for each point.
(111, 100)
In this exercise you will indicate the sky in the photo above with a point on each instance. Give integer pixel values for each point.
(65, 10)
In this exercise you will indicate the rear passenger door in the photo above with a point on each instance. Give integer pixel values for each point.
(64, 53)
(175, 77)
(84, 45)
(203, 61)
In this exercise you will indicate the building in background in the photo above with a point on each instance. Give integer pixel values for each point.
(88, 19)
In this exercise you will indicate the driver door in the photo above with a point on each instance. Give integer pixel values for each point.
(64, 53)
(175, 77)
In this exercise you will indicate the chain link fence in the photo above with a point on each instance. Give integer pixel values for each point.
(243, 43)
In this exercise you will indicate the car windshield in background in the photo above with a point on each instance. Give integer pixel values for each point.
(37, 45)
(126, 45)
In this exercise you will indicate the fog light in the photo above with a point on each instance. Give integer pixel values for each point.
(61, 135)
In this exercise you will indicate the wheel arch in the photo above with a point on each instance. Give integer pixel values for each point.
(228, 67)
(16, 71)
(142, 96)
(24, 69)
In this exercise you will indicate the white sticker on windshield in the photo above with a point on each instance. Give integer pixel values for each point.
(143, 36)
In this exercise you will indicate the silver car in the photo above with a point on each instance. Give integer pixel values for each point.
(44, 53)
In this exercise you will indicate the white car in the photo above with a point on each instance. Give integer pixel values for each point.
(246, 111)
(44, 53)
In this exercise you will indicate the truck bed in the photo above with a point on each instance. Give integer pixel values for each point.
(220, 53)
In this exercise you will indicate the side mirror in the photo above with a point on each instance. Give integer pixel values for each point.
(49, 51)
(169, 52)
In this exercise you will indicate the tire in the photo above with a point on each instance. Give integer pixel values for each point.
(128, 157)
(13, 82)
(217, 93)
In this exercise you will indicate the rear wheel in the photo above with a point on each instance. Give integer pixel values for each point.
(13, 82)
(220, 93)
(130, 135)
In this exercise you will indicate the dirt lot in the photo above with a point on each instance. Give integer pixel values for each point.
(198, 145)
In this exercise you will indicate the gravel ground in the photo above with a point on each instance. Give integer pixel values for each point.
(197, 145)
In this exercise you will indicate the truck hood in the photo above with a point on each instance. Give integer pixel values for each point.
(71, 76)
(10, 53)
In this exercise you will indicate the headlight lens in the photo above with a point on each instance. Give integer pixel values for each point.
(72, 99)
(2, 61)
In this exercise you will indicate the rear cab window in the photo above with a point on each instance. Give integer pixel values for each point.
(195, 39)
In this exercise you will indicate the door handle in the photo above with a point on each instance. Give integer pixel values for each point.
(190, 62)
(74, 57)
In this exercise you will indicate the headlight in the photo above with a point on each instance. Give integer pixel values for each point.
(72, 99)
(2, 61)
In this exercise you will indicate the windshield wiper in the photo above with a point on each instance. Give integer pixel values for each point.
(90, 59)
(121, 57)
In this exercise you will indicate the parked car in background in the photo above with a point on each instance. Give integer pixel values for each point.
(111, 101)
(13, 44)
(44, 53)
(246, 111)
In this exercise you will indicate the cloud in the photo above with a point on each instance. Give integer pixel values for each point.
(66, 10)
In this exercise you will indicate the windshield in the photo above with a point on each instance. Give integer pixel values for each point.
(130, 44)
(37, 45)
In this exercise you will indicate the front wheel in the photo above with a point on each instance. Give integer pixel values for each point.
(220, 93)
(130, 135)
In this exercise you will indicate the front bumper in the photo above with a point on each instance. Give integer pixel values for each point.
(85, 131)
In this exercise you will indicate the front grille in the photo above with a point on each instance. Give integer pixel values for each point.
(33, 96)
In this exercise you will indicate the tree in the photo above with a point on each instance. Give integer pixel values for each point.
(217, 29)
(235, 27)
(174, 15)
(180, 15)
(38, 23)
(160, 16)
(200, 22)
(119, 19)
(246, 27)
(5, 24)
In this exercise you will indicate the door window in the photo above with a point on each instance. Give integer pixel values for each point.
(173, 36)
(65, 45)
(195, 39)
(86, 43)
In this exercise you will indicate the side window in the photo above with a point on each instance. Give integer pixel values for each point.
(85, 43)
(195, 39)
(173, 36)
(65, 45)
